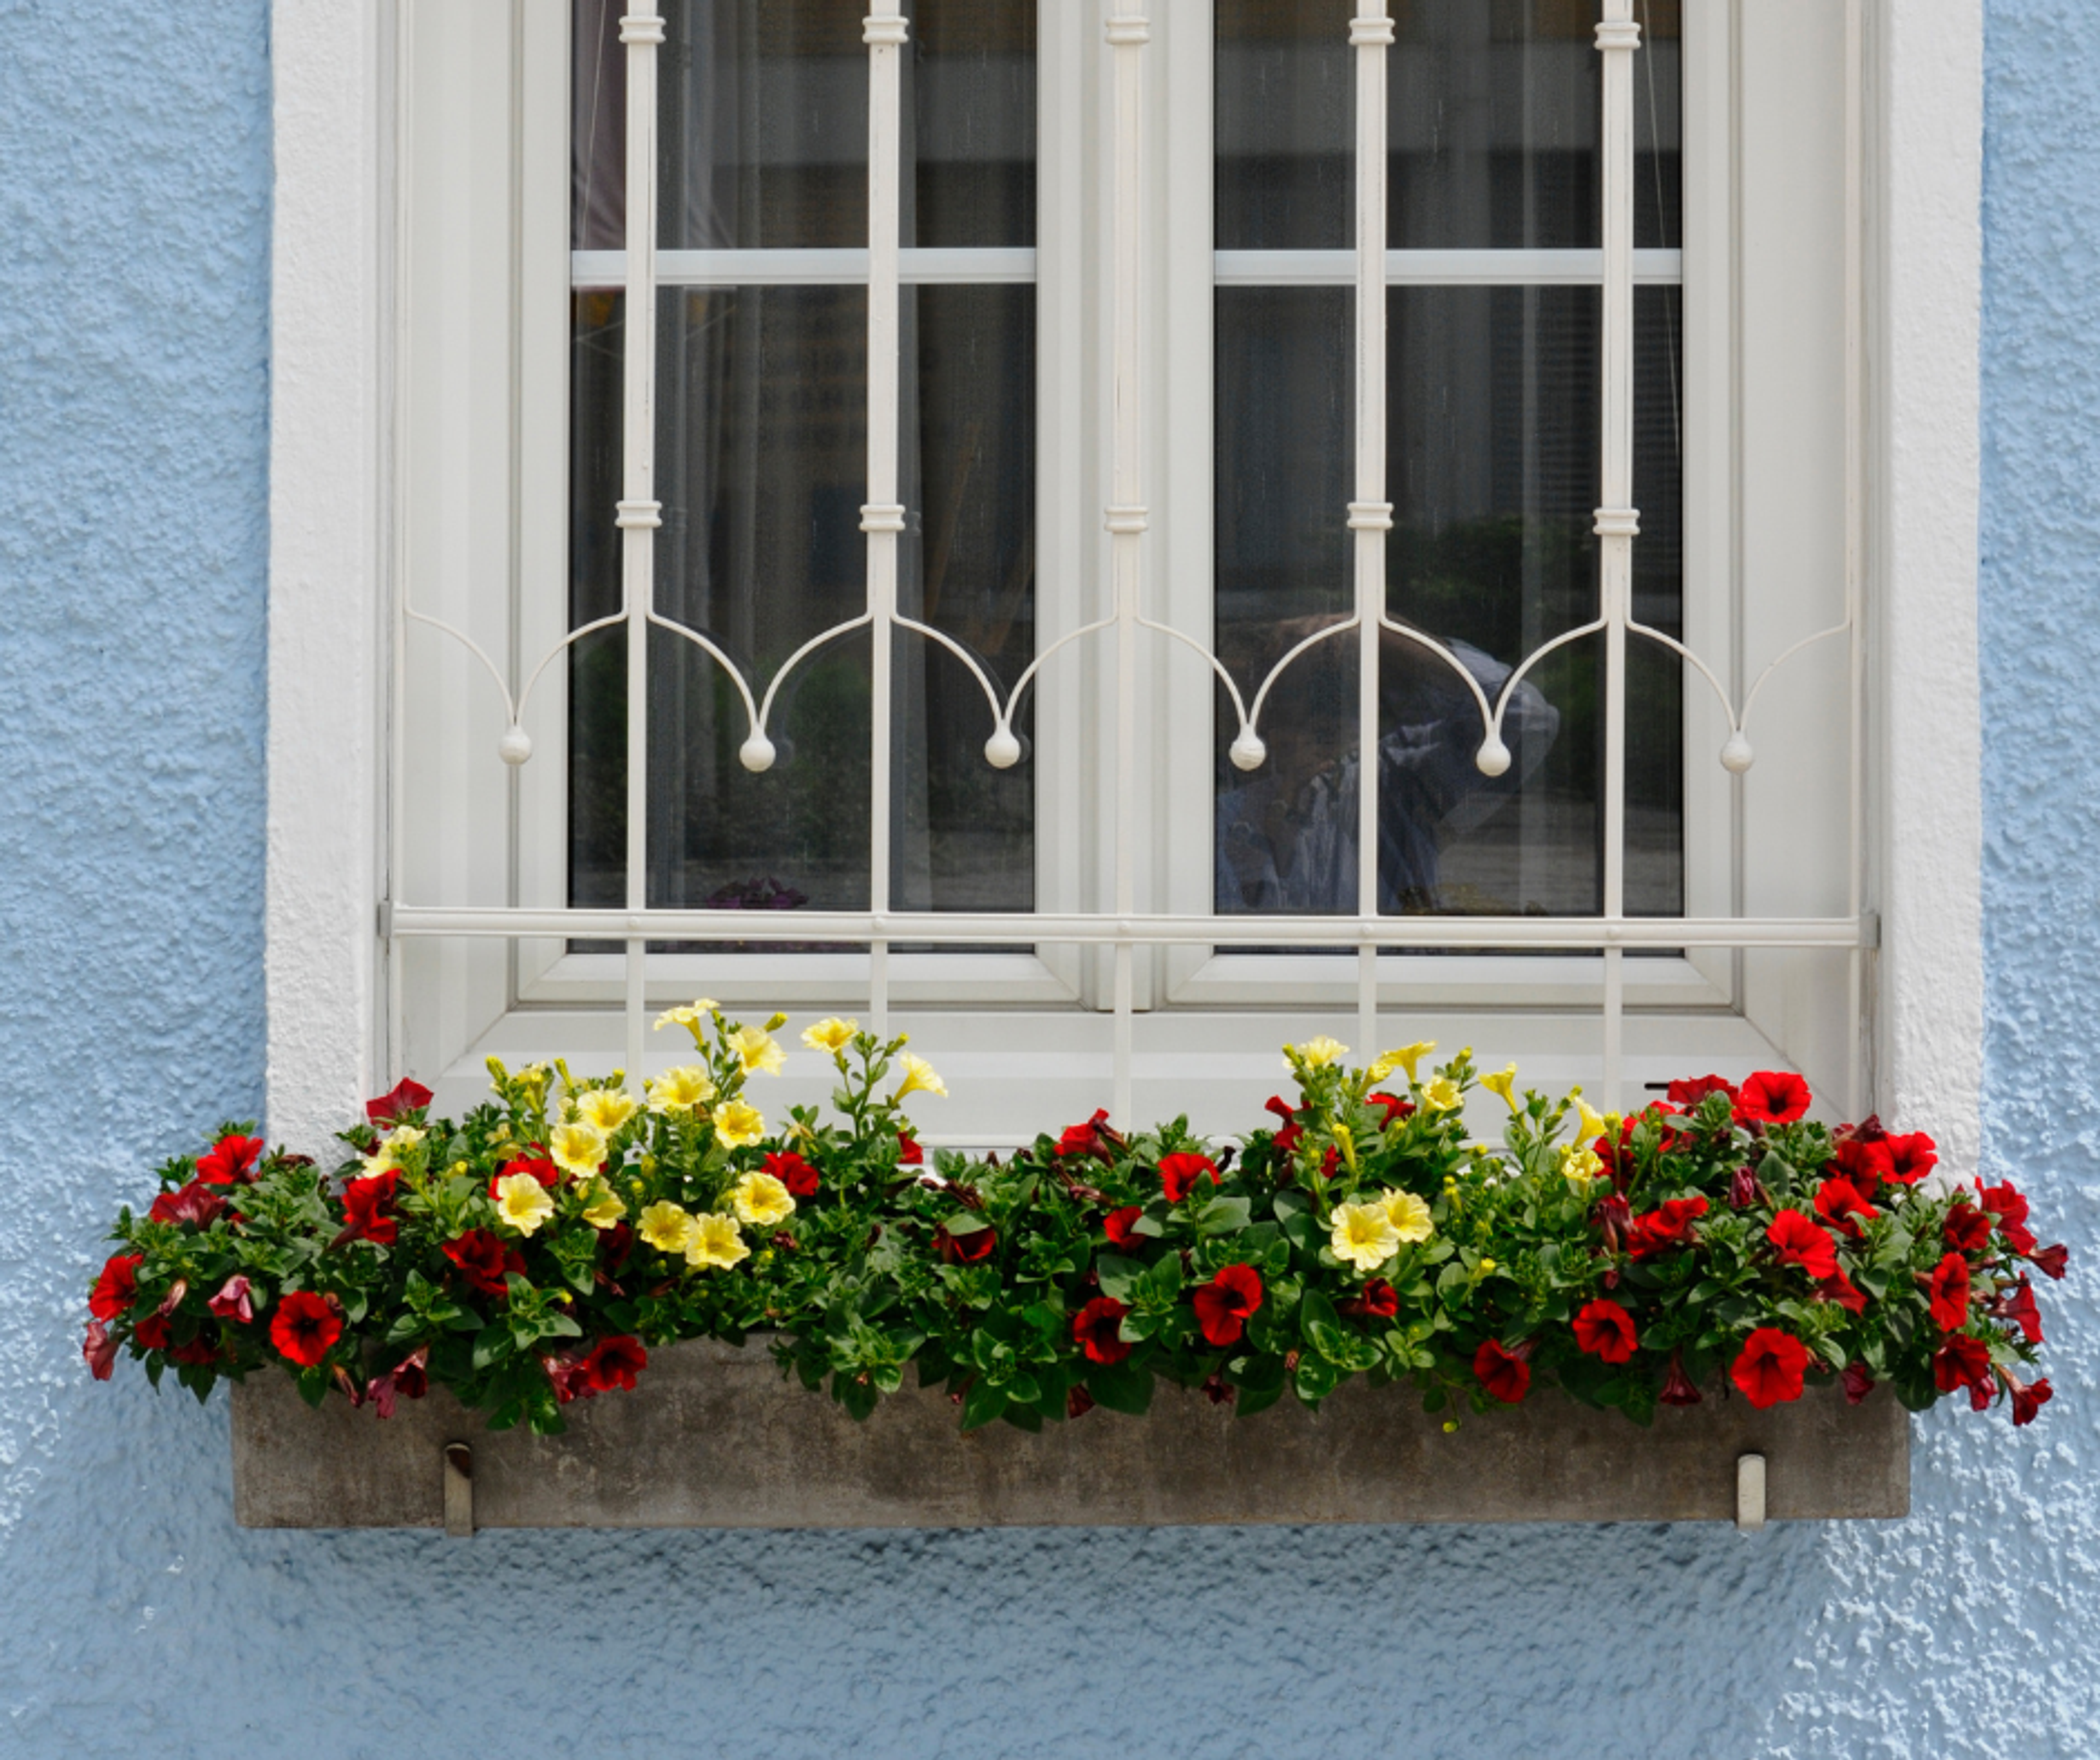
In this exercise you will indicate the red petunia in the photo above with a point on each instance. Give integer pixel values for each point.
(1838, 1288)
(1687, 1091)
(197, 1351)
(1770, 1367)
(909, 1154)
(544, 1171)
(969, 1248)
(1743, 1189)
(196, 1203)
(2029, 1399)
(1077, 1403)
(1122, 1225)
(1948, 1288)
(1096, 1329)
(404, 1097)
(1505, 1374)
(1678, 1387)
(1843, 1206)
(1865, 1162)
(1797, 1240)
(2009, 1209)
(151, 1332)
(368, 1210)
(1381, 1300)
(233, 1302)
(2051, 1261)
(485, 1259)
(1963, 1362)
(99, 1351)
(1289, 1133)
(1179, 1173)
(1966, 1230)
(1394, 1107)
(1606, 1330)
(1085, 1139)
(614, 1363)
(1668, 1225)
(1911, 1157)
(1857, 1382)
(2019, 1307)
(1224, 1305)
(412, 1374)
(117, 1288)
(306, 1327)
(1772, 1097)
(231, 1161)
(790, 1169)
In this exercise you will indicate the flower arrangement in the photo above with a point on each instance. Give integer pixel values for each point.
(1716, 1242)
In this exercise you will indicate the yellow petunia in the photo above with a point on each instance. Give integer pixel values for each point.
(1442, 1094)
(1408, 1058)
(758, 1049)
(1502, 1082)
(920, 1077)
(761, 1200)
(716, 1241)
(576, 1148)
(1317, 1053)
(738, 1124)
(403, 1136)
(606, 1108)
(604, 1209)
(830, 1036)
(1362, 1235)
(522, 1202)
(1409, 1216)
(666, 1228)
(1579, 1163)
(1592, 1122)
(691, 1016)
(680, 1089)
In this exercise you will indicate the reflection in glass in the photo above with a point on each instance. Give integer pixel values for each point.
(1285, 105)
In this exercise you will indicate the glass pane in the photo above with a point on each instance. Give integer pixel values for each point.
(598, 127)
(1284, 122)
(1285, 832)
(763, 124)
(969, 119)
(1659, 126)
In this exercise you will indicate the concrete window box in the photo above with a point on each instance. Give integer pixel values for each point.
(713, 1437)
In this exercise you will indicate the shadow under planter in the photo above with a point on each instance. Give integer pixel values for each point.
(713, 1437)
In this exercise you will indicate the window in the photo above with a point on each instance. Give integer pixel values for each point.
(1223, 140)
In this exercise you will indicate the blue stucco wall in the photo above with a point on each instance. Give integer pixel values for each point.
(135, 1619)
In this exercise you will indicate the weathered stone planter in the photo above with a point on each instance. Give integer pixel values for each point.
(714, 1438)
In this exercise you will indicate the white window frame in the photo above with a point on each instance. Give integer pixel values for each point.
(335, 548)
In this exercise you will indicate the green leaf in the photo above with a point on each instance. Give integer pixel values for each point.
(1121, 1386)
(1222, 1215)
(983, 1403)
(1119, 1276)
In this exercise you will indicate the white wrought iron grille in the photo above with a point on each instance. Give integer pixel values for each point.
(1113, 643)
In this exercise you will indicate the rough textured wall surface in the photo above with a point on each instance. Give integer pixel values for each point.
(135, 1619)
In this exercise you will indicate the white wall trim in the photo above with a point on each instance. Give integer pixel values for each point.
(328, 551)
(1928, 460)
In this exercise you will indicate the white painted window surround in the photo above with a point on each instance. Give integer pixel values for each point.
(343, 525)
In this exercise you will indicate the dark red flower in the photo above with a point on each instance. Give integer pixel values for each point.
(196, 1203)
(197, 1351)
(1077, 1403)
(1095, 1328)
(1218, 1391)
(1966, 1230)
(2009, 1209)
(2029, 1399)
(1666, 1226)
(1179, 1173)
(1770, 1367)
(570, 1376)
(1857, 1383)
(231, 1162)
(2019, 1307)
(1689, 1091)
(1122, 1225)
(1838, 1288)
(151, 1332)
(1678, 1387)
(1289, 1133)
(1614, 1218)
(790, 1169)
(232, 1302)
(1381, 1300)
(615, 1362)
(1606, 1330)
(1948, 1288)
(412, 1374)
(1911, 1157)
(1866, 1163)
(1797, 1240)
(1085, 1139)
(909, 1154)
(1224, 1305)
(544, 1171)
(404, 1097)
(1743, 1189)
(367, 1209)
(1964, 1362)
(117, 1288)
(1772, 1097)
(99, 1351)
(1394, 1107)
(1843, 1206)
(967, 1249)
(1505, 1374)
(2051, 1261)
(485, 1259)
(1284, 1111)
(306, 1327)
